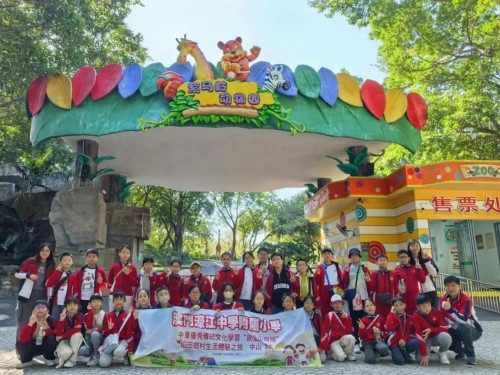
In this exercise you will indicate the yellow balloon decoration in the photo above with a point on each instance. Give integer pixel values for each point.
(59, 91)
(396, 105)
(349, 90)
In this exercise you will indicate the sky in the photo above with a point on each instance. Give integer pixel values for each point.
(289, 32)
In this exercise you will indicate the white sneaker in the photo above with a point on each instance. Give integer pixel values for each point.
(357, 349)
(61, 363)
(93, 362)
(50, 362)
(351, 357)
(443, 358)
(69, 364)
(25, 364)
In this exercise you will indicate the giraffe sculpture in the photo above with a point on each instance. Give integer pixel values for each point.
(186, 47)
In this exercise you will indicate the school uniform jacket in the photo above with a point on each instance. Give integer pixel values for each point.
(118, 281)
(203, 305)
(29, 267)
(205, 287)
(98, 287)
(312, 287)
(226, 275)
(53, 281)
(371, 321)
(69, 326)
(153, 277)
(366, 271)
(175, 286)
(241, 279)
(462, 310)
(412, 276)
(136, 330)
(88, 320)
(434, 320)
(224, 306)
(27, 332)
(402, 327)
(383, 282)
(333, 329)
(126, 333)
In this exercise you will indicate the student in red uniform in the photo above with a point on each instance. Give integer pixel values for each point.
(229, 302)
(418, 255)
(33, 273)
(328, 277)
(458, 311)
(264, 266)
(143, 303)
(310, 309)
(245, 287)
(383, 286)
(90, 279)
(163, 298)
(336, 333)
(123, 276)
(307, 284)
(62, 284)
(407, 279)
(202, 281)
(93, 322)
(194, 301)
(357, 280)
(148, 278)
(117, 321)
(401, 339)
(173, 282)
(225, 275)
(37, 337)
(259, 303)
(69, 333)
(281, 281)
(371, 333)
(431, 327)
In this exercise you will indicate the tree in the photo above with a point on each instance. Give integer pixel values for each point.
(450, 52)
(174, 214)
(231, 207)
(55, 36)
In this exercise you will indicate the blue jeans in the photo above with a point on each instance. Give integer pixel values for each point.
(371, 348)
(402, 355)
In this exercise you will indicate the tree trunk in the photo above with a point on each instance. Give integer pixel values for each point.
(233, 248)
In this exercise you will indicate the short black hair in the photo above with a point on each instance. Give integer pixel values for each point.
(194, 286)
(276, 255)
(421, 299)
(397, 299)
(226, 253)
(92, 251)
(125, 246)
(381, 256)
(311, 298)
(148, 260)
(451, 279)
(95, 297)
(245, 254)
(119, 294)
(72, 300)
(403, 251)
(162, 288)
(175, 261)
(285, 297)
(262, 249)
(41, 302)
(230, 284)
(65, 255)
(143, 290)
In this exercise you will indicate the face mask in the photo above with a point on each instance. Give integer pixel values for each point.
(164, 299)
(228, 294)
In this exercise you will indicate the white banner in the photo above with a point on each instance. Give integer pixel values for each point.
(182, 337)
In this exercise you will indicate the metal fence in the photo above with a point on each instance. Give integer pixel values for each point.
(483, 295)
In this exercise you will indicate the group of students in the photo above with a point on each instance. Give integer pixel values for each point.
(60, 312)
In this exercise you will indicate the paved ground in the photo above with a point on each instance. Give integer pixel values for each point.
(487, 352)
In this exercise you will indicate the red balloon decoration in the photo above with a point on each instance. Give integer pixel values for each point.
(106, 81)
(417, 110)
(82, 82)
(373, 96)
(36, 94)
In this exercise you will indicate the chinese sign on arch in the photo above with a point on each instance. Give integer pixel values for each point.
(181, 337)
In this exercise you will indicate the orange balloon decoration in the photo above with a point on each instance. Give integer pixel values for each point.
(373, 96)
(349, 90)
(417, 110)
(396, 105)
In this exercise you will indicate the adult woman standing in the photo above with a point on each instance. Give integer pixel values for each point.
(429, 267)
(33, 273)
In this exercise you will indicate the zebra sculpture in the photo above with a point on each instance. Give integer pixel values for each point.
(274, 79)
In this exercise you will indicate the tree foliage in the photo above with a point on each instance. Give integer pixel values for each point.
(449, 51)
(50, 37)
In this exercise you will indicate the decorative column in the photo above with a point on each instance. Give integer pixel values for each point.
(83, 170)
